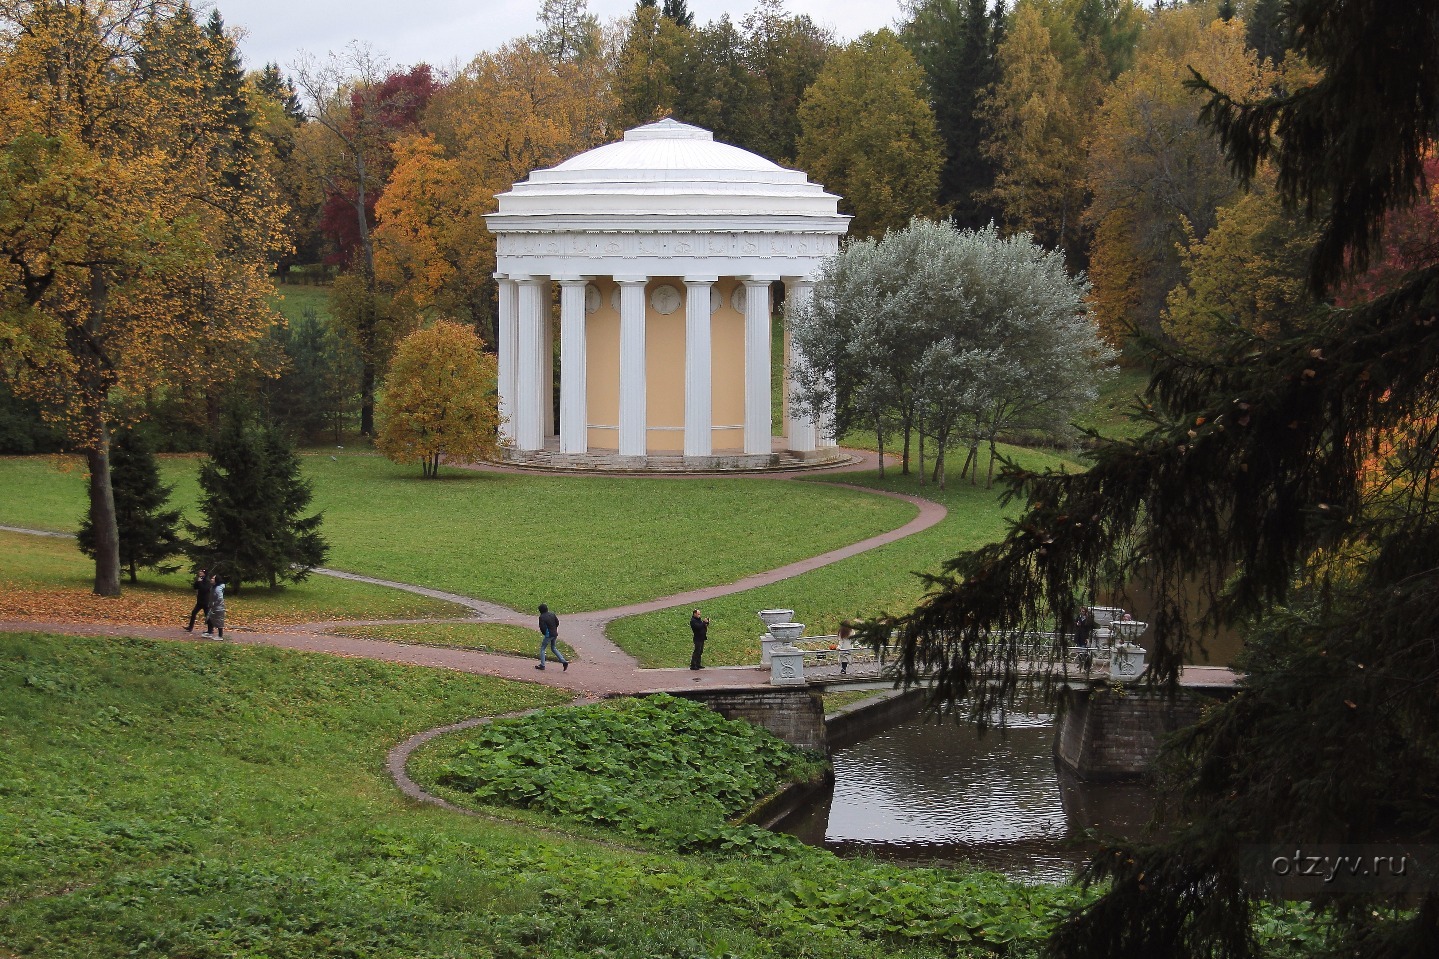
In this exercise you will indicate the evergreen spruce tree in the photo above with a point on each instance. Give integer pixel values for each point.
(1288, 486)
(955, 42)
(679, 12)
(1265, 30)
(149, 533)
(252, 501)
(275, 85)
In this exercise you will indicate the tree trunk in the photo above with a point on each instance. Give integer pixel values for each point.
(921, 457)
(989, 482)
(879, 435)
(102, 514)
(904, 458)
(367, 398)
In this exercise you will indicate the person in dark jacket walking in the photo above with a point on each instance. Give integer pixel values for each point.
(549, 633)
(700, 627)
(202, 598)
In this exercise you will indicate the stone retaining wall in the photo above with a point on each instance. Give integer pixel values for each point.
(794, 714)
(1106, 734)
(858, 720)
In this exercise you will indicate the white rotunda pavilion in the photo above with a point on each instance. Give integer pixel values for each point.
(665, 246)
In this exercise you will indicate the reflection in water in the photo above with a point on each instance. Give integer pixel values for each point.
(926, 792)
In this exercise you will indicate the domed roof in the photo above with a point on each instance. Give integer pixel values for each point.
(670, 145)
(667, 176)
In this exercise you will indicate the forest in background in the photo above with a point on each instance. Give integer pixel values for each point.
(1067, 119)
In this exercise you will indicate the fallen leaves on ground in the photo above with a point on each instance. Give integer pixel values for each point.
(50, 604)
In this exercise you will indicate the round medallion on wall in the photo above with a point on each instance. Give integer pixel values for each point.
(739, 298)
(716, 299)
(665, 299)
(592, 298)
(615, 299)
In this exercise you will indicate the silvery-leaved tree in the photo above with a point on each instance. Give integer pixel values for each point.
(955, 336)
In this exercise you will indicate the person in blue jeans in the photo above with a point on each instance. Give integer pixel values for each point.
(549, 633)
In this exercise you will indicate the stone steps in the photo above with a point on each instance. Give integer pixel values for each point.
(611, 462)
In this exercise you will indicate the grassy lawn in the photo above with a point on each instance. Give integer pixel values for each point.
(877, 581)
(293, 299)
(486, 637)
(44, 579)
(576, 543)
(833, 702)
(188, 799)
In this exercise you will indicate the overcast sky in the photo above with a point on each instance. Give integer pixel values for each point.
(441, 32)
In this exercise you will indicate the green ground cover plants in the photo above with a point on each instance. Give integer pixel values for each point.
(486, 637)
(865, 585)
(576, 543)
(659, 768)
(49, 573)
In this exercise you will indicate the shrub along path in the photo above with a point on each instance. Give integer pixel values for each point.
(602, 668)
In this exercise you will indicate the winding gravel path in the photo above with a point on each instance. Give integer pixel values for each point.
(603, 669)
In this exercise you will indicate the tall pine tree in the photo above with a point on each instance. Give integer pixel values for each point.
(955, 41)
(679, 12)
(1266, 30)
(253, 501)
(149, 533)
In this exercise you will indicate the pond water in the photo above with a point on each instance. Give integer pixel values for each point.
(927, 792)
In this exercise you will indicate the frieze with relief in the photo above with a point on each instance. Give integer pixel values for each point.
(665, 245)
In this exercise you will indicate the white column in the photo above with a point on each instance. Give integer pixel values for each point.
(802, 433)
(698, 348)
(547, 363)
(529, 418)
(757, 392)
(506, 326)
(633, 422)
(574, 437)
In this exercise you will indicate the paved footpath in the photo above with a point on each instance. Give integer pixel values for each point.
(603, 669)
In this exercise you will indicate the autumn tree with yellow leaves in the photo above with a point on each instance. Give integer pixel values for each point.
(358, 107)
(439, 399)
(1157, 178)
(868, 134)
(134, 221)
(506, 114)
(1055, 60)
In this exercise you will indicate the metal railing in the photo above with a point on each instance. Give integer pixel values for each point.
(824, 658)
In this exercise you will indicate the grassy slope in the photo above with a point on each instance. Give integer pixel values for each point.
(45, 578)
(1109, 417)
(573, 542)
(164, 799)
(876, 581)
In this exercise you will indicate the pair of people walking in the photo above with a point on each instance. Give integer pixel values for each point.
(550, 632)
(209, 601)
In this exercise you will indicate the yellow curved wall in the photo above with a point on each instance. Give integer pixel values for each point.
(665, 372)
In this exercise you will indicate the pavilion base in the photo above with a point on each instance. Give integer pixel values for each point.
(602, 460)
